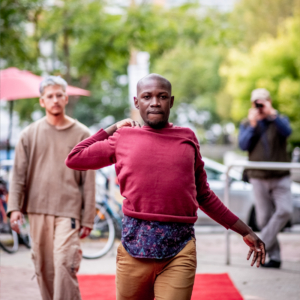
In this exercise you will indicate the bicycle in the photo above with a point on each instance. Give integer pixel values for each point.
(107, 223)
(9, 239)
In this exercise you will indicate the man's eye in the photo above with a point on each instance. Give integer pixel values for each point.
(163, 97)
(147, 97)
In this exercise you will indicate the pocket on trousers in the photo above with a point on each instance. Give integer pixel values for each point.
(119, 252)
(190, 251)
(75, 258)
(35, 263)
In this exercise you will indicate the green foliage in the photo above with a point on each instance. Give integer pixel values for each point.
(17, 48)
(272, 63)
(213, 59)
(192, 65)
(193, 72)
(25, 108)
(91, 45)
(255, 19)
(96, 45)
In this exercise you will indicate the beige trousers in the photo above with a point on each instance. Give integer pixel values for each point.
(165, 279)
(56, 256)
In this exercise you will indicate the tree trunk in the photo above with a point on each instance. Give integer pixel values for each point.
(66, 48)
(10, 126)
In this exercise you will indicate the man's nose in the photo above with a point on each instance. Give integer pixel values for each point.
(155, 101)
(55, 100)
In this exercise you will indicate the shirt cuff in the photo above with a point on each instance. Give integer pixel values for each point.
(100, 135)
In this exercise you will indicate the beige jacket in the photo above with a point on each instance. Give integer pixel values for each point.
(41, 181)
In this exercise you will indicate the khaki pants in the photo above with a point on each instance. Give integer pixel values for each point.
(164, 279)
(56, 256)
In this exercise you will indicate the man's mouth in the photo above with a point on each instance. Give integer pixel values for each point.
(155, 112)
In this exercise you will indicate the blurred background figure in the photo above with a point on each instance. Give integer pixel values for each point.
(264, 135)
(59, 202)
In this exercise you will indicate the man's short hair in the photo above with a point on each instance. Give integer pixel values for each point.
(53, 80)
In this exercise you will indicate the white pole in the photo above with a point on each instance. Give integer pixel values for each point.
(227, 203)
(138, 68)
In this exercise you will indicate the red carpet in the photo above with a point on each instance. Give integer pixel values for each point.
(206, 287)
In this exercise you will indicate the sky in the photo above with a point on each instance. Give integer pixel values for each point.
(224, 5)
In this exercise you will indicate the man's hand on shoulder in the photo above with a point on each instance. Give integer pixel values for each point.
(124, 123)
(15, 220)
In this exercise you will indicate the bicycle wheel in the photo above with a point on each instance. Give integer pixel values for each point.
(24, 236)
(102, 237)
(9, 240)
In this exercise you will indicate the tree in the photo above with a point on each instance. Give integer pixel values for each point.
(94, 46)
(194, 75)
(272, 63)
(17, 48)
(192, 66)
(255, 19)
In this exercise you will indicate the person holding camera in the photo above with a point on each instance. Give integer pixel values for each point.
(264, 135)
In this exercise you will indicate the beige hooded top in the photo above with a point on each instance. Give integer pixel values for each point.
(41, 181)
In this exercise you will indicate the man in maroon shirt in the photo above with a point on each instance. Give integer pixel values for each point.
(162, 178)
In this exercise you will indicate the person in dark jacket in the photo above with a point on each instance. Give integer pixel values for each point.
(264, 135)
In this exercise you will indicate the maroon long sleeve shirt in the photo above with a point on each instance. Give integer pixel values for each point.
(161, 173)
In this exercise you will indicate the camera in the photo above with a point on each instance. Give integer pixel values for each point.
(258, 105)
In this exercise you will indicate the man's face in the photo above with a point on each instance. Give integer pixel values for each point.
(54, 100)
(260, 105)
(154, 102)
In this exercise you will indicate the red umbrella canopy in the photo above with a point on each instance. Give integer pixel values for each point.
(16, 84)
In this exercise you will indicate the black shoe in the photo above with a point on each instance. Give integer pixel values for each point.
(272, 264)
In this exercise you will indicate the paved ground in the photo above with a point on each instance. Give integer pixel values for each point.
(18, 282)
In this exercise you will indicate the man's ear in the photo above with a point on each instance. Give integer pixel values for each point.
(42, 104)
(172, 101)
(136, 102)
(67, 99)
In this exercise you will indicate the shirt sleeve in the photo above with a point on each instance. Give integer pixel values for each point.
(283, 126)
(245, 137)
(95, 152)
(18, 183)
(208, 201)
(88, 193)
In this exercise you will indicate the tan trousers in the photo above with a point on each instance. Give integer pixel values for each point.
(56, 256)
(164, 279)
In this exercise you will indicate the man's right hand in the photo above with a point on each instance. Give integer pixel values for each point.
(253, 116)
(124, 123)
(15, 220)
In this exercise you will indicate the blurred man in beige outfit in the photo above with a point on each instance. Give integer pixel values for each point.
(60, 202)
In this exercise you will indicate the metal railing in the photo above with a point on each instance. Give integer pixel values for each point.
(250, 165)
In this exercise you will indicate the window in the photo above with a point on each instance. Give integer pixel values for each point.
(213, 174)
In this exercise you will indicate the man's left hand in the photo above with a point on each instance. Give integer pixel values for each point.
(268, 110)
(84, 232)
(257, 247)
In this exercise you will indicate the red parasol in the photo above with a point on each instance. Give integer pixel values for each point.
(16, 84)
